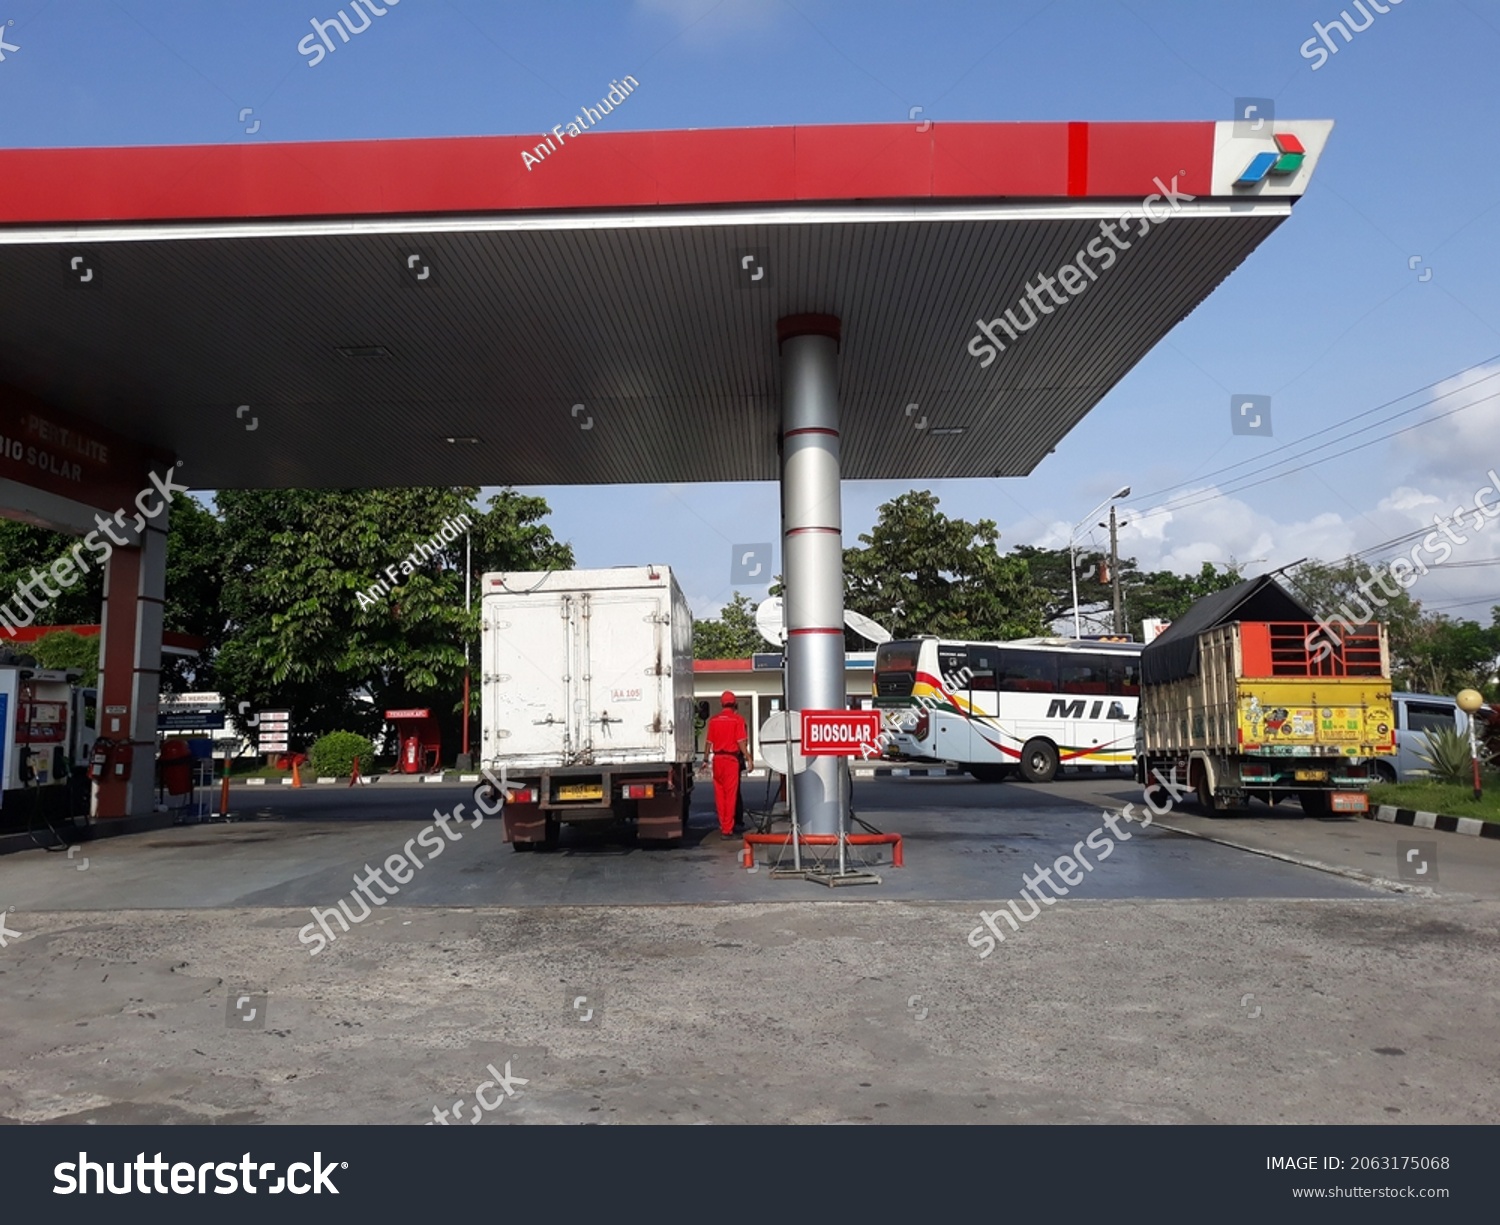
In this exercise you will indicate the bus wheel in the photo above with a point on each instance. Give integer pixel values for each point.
(1039, 761)
(989, 773)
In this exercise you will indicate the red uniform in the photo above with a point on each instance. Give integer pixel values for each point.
(725, 732)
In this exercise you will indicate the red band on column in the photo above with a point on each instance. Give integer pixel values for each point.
(792, 326)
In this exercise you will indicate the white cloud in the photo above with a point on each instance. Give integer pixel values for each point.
(704, 22)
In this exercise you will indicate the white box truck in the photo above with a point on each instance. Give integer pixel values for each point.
(587, 700)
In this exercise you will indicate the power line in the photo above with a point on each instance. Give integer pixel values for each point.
(1336, 425)
(1188, 501)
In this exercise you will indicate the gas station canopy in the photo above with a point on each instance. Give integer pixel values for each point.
(432, 312)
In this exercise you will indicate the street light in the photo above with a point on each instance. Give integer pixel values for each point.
(1073, 552)
(1469, 701)
(466, 760)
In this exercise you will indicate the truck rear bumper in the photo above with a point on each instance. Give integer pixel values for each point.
(654, 795)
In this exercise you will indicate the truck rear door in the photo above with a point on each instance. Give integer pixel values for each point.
(623, 709)
(527, 687)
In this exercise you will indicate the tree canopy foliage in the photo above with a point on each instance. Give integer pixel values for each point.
(919, 572)
(730, 635)
(299, 635)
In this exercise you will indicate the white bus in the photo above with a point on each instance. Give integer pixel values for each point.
(994, 708)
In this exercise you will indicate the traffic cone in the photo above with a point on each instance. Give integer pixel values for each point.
(296, 773)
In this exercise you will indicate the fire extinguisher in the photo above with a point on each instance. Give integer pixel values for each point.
(411, 754)
(99, 759)
(110, 761)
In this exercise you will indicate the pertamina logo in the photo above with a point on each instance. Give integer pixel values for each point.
(1287, 160)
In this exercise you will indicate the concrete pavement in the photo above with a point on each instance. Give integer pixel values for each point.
(1309, 997)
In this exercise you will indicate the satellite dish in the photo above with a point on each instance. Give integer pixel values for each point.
(770, 620)
(780, 742)
(871, 631)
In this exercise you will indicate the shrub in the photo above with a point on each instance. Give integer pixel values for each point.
(1446, 750)
(334, 754)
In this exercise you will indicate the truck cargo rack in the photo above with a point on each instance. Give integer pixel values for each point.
(1281, 648)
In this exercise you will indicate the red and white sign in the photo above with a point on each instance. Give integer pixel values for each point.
(839, 733)
(408, 714)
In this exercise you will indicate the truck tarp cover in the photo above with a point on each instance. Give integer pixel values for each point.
(1174, 655)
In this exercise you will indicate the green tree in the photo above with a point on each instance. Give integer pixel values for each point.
(193, 581)
(63, 649)
(1161, 593)
(1444, 656)
(920, 572)
(25, 549)
(730, 635)
(1157, 593)
(307, 631)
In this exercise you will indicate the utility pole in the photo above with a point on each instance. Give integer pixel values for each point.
(1114, 570)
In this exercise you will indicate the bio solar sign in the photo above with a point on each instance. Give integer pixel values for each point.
(839, 733)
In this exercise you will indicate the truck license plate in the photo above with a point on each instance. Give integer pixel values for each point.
(1349, 801)
(580, 791)
(1312, 776)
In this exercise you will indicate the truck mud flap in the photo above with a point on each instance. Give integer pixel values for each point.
(524, 823)
(659, 819)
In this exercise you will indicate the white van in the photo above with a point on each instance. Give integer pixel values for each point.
(1417, 713)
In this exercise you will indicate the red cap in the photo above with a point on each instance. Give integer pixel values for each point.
(727, 699)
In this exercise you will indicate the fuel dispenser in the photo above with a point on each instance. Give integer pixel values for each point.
(42, 740)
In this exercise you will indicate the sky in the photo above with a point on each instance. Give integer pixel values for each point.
(1377, 297)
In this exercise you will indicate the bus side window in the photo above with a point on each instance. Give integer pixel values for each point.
(1023, 671)
(1125, 677)
(981, 667)
(1083, 674)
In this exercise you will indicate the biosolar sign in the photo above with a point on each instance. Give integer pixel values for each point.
(839, 733)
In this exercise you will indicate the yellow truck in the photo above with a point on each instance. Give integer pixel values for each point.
(1248, 696)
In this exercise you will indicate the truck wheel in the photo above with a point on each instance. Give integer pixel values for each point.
(1385, 772)
(523, 846)
(1314, 803)
(550, 833)
(1039, 761)
(1205, 793)
(989, 773)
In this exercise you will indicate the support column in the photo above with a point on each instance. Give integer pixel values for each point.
(812, 551)
(135, 580)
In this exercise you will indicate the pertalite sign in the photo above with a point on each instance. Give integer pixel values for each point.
(839, 733)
